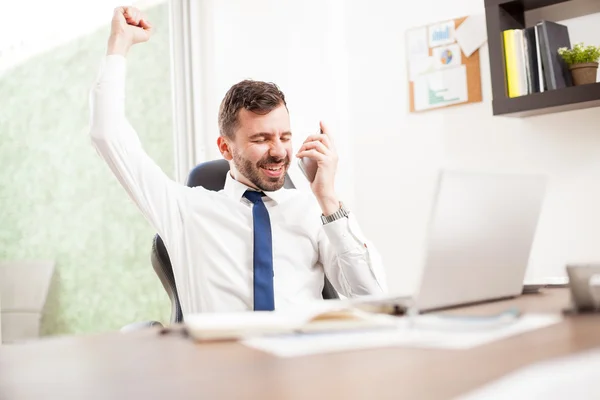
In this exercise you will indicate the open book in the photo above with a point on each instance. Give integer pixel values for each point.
(326, 316)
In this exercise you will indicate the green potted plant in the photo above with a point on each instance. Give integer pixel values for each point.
(582, 61)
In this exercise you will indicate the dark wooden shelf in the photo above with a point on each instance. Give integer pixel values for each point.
(567, 99)
(510, 14)
(526, 5)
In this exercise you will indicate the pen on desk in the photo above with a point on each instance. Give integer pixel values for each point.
(177, 329)
(392, 306)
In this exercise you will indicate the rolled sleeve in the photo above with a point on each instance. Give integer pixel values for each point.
(354, 265)
(344, 235)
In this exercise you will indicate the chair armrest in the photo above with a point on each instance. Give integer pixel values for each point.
(138, 326)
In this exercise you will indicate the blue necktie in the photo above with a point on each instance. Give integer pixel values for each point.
(263, 254)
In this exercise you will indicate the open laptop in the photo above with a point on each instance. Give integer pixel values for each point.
(480, 235)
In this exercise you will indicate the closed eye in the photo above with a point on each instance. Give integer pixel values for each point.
(286, 136)
(263, 137)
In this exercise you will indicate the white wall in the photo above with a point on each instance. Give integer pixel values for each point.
(344, 60)
(396, 153)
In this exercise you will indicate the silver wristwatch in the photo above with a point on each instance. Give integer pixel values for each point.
(341, 213)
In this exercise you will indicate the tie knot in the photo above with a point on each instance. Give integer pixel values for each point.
(253, 196)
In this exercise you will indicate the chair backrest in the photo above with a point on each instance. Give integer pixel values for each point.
(211, 175)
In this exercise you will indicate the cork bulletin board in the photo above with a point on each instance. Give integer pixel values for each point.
(440, 74)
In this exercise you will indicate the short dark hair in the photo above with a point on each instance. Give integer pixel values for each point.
(256, 96)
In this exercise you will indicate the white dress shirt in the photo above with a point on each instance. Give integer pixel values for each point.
(209, 234)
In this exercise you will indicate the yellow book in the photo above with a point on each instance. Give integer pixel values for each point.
(512, 76)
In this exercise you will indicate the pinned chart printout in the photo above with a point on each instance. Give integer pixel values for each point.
(420, 66)
(419, 60)
(417, 43)
(447, 56)
(441, 34)
(441, 88)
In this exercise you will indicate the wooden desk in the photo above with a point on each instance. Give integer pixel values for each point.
(143, 365)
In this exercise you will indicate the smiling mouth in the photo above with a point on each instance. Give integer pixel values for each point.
(273, 170)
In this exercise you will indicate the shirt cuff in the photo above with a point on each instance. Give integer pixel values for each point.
(342, 236)
(113, 68)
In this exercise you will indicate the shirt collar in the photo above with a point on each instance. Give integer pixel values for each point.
(235, 190)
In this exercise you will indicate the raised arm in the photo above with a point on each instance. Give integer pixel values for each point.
(156, 195)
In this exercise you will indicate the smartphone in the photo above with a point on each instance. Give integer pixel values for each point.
(308, 167)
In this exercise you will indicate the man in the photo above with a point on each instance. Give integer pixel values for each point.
(253, 245)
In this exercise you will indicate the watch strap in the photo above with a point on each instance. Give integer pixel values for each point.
(339, 214)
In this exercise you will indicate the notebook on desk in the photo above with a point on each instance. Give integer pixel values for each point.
(332, 316)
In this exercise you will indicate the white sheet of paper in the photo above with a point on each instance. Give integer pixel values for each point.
(419, 61)
(471, 34)
(572, 377)
(427, 332)
(416, 43)
(447, 56)
(441, 34)
(419, 66)
(441, 88)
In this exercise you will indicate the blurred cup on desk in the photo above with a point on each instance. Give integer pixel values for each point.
(584, 284)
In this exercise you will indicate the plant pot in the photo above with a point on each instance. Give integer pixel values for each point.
(584, 73)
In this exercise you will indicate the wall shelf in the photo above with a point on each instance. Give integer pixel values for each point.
(567, 99)
(510, 14)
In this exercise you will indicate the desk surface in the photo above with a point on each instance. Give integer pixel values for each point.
(145, 365)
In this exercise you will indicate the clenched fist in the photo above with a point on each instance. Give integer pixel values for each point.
(128, 27)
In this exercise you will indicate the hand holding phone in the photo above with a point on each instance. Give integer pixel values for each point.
(318, 161)
(308, 167)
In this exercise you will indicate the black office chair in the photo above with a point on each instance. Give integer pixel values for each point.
(210, 175)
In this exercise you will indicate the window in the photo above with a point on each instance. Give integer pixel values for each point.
(59, 200)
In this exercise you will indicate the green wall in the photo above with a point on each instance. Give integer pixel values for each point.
(59, 201)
